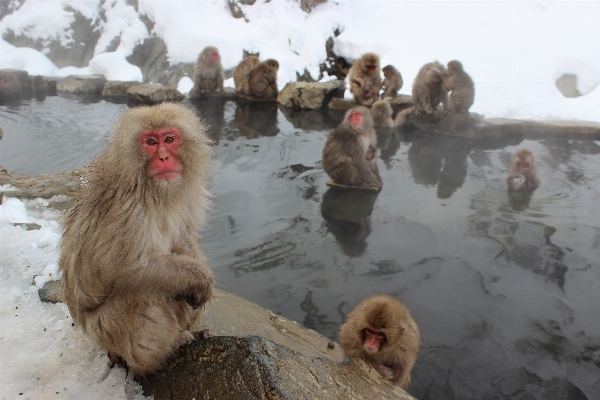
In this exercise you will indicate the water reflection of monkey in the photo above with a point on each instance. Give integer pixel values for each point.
(255, 119)
(212, 110)
(347, 214)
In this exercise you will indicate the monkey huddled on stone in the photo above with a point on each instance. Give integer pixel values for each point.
(428, 91)
(392, 81)
(134, 276)
(365, 79)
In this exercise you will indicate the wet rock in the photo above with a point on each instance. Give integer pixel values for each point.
(253, 367)
(567, 84)
(84, 84)
(51, 292)
(28, 226)
(153, 93)
(341, 104)
(23, 76)
(398, 103)
(227, 93)
(310, 95)
(117, 89)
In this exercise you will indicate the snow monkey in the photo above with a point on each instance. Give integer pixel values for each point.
(382, 114)
(457, 81)
(522, 175)
(427, 90)
(381, 331)
(241, 74)
(349, 152)
(208, 72)
(365, 79)
(263, 80)
(392, 81)
(9, 85)
(134, 276)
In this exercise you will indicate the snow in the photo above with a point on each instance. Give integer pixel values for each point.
(514, 50)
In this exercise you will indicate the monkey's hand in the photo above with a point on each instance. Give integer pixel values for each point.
(386, 372)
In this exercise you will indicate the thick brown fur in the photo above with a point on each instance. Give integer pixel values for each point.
(392, 81)
(525, 180)
(130, 258)
(263, 80)
(9, 85)
(382, 114)
(365, 85)
(349, 153)
(241, 74)
(39, 85)
(208, 75)
(427, 89)
(400, 348)
(457, 81)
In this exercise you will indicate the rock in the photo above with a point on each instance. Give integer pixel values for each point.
(153, 93)
(340, 104)
(309, 5)
(24, 79)
(334, 65)
(567, 84)
(310, 95)
(398, 103)
(401, 102)
(84, 84)
(227, 93)
(253, 367)
(51, 292)
(117, 89)
(28, 226)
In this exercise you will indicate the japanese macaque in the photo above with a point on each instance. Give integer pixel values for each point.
(134, 276)
(39, 85)
(365, 79)
(208, 72)
(427, 90)
(457, 81)
(392, 81)
(382, 114)
(522, 175)
(241, 75)
(9, 85)
(263, 80)
(381, 331)
(401, 117)
(349, 152)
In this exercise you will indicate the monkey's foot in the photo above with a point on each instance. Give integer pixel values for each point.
(202, 335)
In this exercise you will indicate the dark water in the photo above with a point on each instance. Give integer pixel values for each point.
(506, 290)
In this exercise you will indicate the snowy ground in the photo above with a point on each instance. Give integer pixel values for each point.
(514, 50)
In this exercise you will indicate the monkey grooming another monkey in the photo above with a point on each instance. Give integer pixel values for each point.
(392, 81)
(382, 114)
(523, 174)
(263, 80)
(365, 79)
(208, 72)
(241, 74)
(134, 276)
(381, 331)
(427, 89)
(349, 152)
(457, 81)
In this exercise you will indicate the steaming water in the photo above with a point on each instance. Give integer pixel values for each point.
(506, 290)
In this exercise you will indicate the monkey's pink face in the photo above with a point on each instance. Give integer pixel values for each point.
(355, 118)
(161, 147)
(214, 56)
(522, 166)
(373, 340)
(370, 68)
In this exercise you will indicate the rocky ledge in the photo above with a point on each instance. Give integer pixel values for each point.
(255, 354)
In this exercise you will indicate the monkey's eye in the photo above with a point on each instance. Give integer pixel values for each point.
(150, 142)
(169, 139)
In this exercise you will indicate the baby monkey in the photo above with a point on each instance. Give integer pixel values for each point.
(523, 175)
(381, 331)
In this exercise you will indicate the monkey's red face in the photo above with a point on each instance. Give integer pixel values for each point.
(373, 340)
(161, 148)
(370, 68)
(214, 57)
(355, 118)
(522, 166)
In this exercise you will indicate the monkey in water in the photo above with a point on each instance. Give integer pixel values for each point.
(241, 74)
(365, 79)
(427, 90)
(263, 80)
(523, 175)
(208, 72)
(381, 331)
(134, 276)
(461, 86)
(392, 81)
(349, 152)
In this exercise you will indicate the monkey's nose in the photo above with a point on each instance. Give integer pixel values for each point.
(163, 154)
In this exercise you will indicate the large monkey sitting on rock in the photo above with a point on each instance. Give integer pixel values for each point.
(134, 276)
(349, 152)
(428, 91)
(208, 72)
(365, 79)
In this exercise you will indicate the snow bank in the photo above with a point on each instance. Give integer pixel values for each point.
(513, 50)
